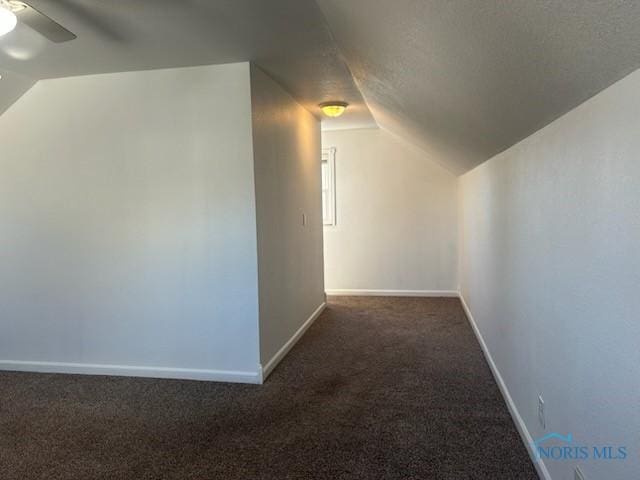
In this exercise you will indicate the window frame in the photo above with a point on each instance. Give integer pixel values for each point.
(329, 157)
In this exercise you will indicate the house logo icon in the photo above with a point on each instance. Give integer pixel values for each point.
(550, 436)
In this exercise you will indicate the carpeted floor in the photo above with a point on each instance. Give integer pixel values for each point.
(378, 388)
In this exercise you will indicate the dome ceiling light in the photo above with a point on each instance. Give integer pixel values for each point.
(333, 109)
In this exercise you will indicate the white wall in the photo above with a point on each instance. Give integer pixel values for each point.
(396, 216)
(550, 269)
(127, 219)
(287, 181)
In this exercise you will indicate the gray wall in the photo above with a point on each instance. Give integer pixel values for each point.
(396, 227)
(287, 182)
(13, 87)
(550, 269)
(127, 218)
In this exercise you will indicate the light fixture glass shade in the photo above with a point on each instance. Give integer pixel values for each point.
(333, 109)
(8, 20)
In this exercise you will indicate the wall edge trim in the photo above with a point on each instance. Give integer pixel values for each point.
(392, 293)
(280, 354)
(526, 437)
(232, 376)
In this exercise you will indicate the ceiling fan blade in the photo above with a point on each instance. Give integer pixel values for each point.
(44, 25)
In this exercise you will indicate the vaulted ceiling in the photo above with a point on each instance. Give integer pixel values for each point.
(462, 79)
(466, 79)
(289, 39)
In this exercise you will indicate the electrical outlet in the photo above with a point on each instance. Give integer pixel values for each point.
(578, 475)
(541, 417)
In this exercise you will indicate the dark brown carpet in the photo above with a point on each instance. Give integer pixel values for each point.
(378, 388)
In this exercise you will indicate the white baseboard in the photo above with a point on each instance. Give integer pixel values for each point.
(541, 468)
(263, 373)
(392, 293)
(271, 364)
(132, 371)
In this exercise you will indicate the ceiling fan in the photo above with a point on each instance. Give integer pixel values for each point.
(14, 11)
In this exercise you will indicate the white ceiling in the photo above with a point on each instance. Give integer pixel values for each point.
(466, 79)
(289, 39)
(462, 79)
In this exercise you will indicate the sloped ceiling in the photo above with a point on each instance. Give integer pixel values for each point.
(12, 87)
(289, 39)
(462, 79)
(466, 79)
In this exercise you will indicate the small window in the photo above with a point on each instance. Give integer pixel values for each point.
(329, 186)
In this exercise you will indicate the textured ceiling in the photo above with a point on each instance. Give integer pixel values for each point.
(466, 79)
(462, 79)
(289, 39)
